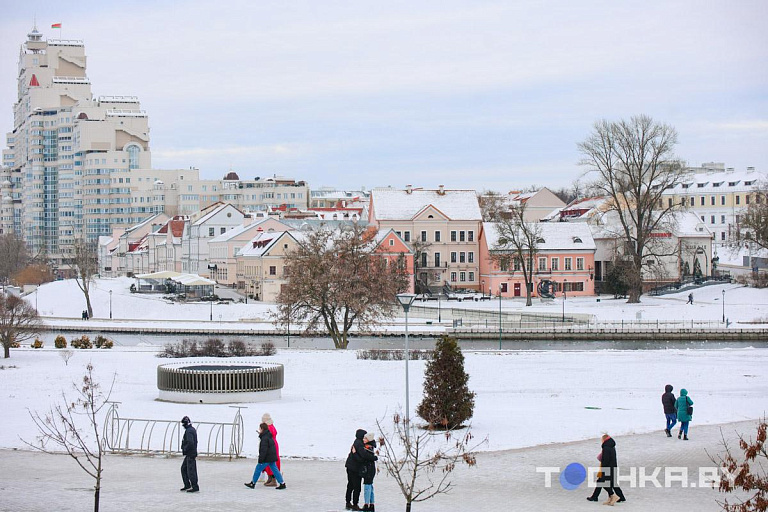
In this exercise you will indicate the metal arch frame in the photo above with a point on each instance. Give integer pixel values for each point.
(117, 435)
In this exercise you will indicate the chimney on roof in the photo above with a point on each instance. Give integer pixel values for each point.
(441, 190)
(408, 189)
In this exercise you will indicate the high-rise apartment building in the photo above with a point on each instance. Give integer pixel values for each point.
(69, 157)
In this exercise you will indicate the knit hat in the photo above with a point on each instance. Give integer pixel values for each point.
(185, 421)
(370, 436)
(266, 418)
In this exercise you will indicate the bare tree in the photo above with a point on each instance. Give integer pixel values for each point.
(13, 255)
(336, 278)
(86, 265)
(493, 205)
(517, 246)
(420, 248)
(754, 221)
(745, 472)
(634, 163)
(62, 427)
(421, 470)
(19, 321)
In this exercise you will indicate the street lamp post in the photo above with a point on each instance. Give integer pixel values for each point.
(723, 306)
(38, 286)
(482, 288)
(499, 316)
(405, 300)
(211, 309)
(439, 315)
(565, 296)
(110, 304)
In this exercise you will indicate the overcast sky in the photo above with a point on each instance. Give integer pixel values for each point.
(475, 94)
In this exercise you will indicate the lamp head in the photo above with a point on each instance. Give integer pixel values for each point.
(405, 300)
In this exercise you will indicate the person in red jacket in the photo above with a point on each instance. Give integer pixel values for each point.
(271, 482)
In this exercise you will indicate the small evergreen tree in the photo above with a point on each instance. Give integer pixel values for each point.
(447, 402)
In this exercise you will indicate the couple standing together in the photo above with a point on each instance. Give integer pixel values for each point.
(361, 466)
(269, 456)
(680, 409)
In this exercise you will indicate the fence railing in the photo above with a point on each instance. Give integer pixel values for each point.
(150, 436)
(218, 377)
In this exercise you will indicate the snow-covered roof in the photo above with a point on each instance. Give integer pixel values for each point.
(205, 218)
(718, 182)
(556, 236)
(392, 204)
(681, 224)
(263, 242)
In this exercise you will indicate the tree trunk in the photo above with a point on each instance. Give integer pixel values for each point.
(88, 304)
(96, 499)
(408, 507)
(528, 301)
(7, 350)
(634, 295)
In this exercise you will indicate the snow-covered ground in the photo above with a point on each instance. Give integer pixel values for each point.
(61, 302)
(524, 398)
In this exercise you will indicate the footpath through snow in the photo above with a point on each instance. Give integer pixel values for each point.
(501, 481)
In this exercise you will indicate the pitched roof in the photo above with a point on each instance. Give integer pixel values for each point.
(392, 204)
(557, 236)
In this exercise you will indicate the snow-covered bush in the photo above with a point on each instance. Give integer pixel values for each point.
(82, 342)
(103, 342)
(60, 342)
(38, 343)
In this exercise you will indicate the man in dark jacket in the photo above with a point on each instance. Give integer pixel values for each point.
(267, 458)
(354, 464)
(670, 410)
(189, 449)
(608, 469)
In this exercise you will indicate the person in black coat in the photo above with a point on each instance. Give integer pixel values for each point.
(369, 471)
(267, 458)
(609, 467)
(670, 409)
(354, 465)
(189, 450)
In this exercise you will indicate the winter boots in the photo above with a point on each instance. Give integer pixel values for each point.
(271, 481)
(280, 487)
(685, 437)
(250, 485)
(679, 434)
(612, 499)
(669, 434)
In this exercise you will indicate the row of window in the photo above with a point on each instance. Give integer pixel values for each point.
(713, 200)
(555, 264)
(456, 236)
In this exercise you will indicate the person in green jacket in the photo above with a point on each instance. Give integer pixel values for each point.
(684, 406)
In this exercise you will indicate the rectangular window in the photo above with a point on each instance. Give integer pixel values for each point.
(503, 287)
(746, 199)
(542, 264)
(555, 264)
(462, 236)
(223, 230)
(471, 277)
(692, 201)
(424, 259)
(453, 256)
(462, 257)
(470, 236)
(272, 270)
(211, 231)
(669, 202)
(568, 263)
(407, 236)
(722, 200)
(722, 235)
(470, 257)
(423, 236)
(712, 200)
(702, 201)
(437, 259)
(462, 276)
(722, 219)
(437, 236)
(711, 219)
(453, 236)
(453, 277)
(738, 199)
(516, 265)
(579, 263)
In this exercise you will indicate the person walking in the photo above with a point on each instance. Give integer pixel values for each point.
(189, 450)
(369, 471)
(684, 406)
(354, 466)
(271, 482)
(690, 298)
(607, 476)
(670, 408)
(267, 458)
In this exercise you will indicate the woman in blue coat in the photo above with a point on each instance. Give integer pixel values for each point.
(683, 404)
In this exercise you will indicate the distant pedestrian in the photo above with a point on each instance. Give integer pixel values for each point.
(267, 458)
(690, 298)
(354, 465)
(84, 314)
(607, 476)
(684, 413)
(271, 482)
(670, 409)
(189, 449)
(369, 471)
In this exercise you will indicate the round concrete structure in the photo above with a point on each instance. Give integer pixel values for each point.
(219, 381)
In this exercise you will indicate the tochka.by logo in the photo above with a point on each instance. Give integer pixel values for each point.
(575, 474)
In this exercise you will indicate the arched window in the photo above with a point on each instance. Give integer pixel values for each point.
(133, 156)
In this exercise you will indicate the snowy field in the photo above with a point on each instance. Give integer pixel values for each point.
(524, 398)
(61, 302)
